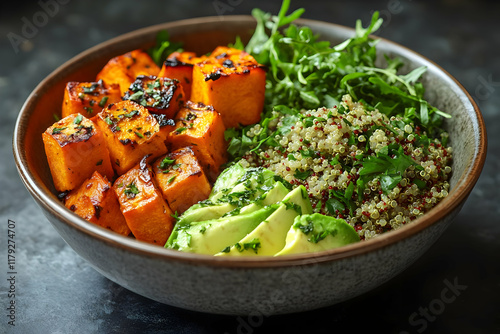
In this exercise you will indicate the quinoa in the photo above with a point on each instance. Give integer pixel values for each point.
(327, 149)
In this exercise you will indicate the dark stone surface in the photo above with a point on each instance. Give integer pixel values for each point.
(58, 292)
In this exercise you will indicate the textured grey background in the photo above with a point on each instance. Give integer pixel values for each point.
(58, 292)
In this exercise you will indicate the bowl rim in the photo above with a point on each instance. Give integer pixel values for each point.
(57, 209)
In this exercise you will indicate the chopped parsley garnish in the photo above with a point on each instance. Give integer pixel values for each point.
(78, 119)
(308, 73)
(131, 190)
(103, 101)
(302, 175)
(58, 130)
(388, 165)
(175, 215)
(136, 96)
(315, 233)
(293, 206)
(89, 90)
(254, 245)
(190, 116)
(166, 162)
(163, 47)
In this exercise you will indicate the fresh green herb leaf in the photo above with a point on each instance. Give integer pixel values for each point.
(333, 206)
(180, 130)
(254, 245)
(166, 162)
(58, 130)
(78, 119)
(302, 175)
(131, 114)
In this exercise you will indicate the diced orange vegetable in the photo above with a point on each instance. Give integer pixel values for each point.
(96, 202)
(233, 83)
(201, 128)
(75, 148)
(88, 98)
(146, 212)
(181, 179)
(125, 68)
(131, 133)
(179, 65)
(159, 95)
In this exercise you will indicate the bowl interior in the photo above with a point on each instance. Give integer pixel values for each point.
(466, 127)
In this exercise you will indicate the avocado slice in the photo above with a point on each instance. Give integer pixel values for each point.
(212, 236)
(317, 232)
(178, 236)
(268, 237)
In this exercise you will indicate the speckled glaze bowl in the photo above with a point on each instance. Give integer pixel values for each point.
(257, 285)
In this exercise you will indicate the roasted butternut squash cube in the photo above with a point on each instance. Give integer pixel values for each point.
(181, 179)
(147, 214)
(88, 98)
(75, 148)
(201, 128)
(179, 65)
(96, 202)
(123, 69)
(159, 95)
(131, 132)
(233, 83)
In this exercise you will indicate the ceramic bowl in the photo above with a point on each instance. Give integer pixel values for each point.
(257, 285)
